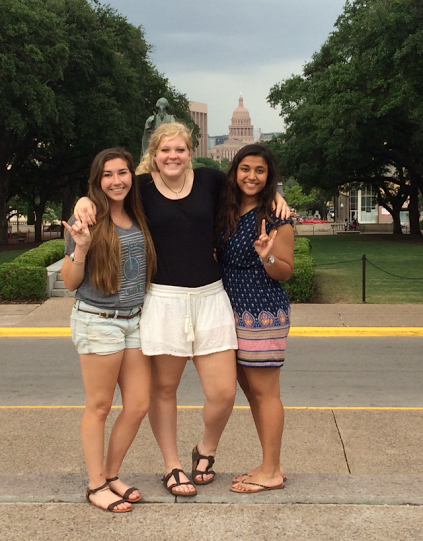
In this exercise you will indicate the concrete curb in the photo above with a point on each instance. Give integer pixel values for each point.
(342, 489)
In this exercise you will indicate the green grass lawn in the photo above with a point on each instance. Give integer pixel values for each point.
(342, 282)
(7, 257)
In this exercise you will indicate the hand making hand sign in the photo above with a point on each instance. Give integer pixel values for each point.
(264, 243)
(79, 231)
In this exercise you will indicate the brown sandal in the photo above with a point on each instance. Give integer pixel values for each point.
(196, 457)
(175, 472)
(110, 507)
(127, 493)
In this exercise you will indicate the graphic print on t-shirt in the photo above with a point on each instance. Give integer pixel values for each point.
(133, 268)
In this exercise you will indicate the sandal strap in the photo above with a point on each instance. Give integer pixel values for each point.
(128, 493)
(112, 479)
(197, 457)
(175, 473)
(114, 504)
(94, 490)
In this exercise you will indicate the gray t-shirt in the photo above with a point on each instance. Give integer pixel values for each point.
(134, 267)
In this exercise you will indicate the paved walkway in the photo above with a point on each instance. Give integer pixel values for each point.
(352, 473)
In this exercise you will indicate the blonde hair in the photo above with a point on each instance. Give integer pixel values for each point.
(169, 130)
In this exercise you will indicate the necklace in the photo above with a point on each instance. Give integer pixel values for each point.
(179, 191)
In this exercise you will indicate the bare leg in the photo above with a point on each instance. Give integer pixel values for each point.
(264, 385)
(134, 382)
(166, 375)
(217, 373)
(245, 386)
(100, 374)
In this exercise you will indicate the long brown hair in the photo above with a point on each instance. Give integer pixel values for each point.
(230, 201)
(104, 255)
(171, 129)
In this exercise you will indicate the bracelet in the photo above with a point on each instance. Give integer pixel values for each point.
(271, 259)
(72, 258)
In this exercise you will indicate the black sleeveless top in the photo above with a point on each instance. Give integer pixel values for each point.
(182, 229)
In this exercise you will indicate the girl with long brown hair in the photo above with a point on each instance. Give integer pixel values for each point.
(110, 266)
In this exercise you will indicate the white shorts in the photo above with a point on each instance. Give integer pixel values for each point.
(187, 321)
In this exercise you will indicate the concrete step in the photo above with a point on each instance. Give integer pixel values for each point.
(62, 293)
(59, 284)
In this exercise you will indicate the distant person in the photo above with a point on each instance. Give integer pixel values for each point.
(256, 250)
(109, 267)
(346, 224)
(354, 224)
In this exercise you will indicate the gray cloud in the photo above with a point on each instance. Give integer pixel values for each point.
(239, 39)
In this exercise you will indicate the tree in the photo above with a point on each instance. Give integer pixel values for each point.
(209, 162)
(357, 110)
(75, 77)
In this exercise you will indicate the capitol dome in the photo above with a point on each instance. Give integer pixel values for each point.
(241, 127)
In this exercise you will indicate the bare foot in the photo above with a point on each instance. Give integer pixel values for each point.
(103, 498)
(181, 489)
(255, 471)
(258, 483)
(202, 465)
(120, 488)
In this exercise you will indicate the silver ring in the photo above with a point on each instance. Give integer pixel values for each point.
(85, 232)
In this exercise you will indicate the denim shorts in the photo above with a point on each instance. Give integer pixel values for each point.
(103, 336)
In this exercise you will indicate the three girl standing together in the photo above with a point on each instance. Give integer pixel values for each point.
(187, 314)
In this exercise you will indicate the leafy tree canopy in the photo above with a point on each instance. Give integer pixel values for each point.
(75, 77)
(356, 112)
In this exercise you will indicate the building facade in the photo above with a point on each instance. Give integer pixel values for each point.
(241, 133)
(199, 115)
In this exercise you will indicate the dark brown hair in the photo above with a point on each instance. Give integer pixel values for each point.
(230, 202)
(104, 255)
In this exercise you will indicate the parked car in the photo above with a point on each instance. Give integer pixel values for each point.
(311, 220)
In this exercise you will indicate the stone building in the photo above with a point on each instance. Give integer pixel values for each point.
(241, 133)
(199, 115)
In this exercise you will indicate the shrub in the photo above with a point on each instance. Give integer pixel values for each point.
(22, 283)
(25, 277)
(47, 253)
(302, 246)
(300, 285)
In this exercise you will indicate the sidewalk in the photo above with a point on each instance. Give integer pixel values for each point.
(352, 473)
(56, 311)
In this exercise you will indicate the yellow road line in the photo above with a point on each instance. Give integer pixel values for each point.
(351, 408)
(36, 332)
(58, 332)
(356, 331)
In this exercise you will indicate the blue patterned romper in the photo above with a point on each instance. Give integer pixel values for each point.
(260, 304)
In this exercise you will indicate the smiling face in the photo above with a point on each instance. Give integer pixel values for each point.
(251, 176)
(116, 179)
(172, 157)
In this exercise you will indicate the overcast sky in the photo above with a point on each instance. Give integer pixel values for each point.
(213, 50)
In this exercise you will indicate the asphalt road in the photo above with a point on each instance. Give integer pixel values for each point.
(319, 372)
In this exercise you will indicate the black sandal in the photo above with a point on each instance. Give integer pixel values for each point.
(110, 507)
(196, 457)
(127, 493)
(175, 472)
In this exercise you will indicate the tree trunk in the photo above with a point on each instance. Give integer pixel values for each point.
(395, 213)
(413, 210)
(4, 185)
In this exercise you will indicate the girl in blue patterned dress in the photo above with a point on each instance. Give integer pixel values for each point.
(256, 250)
